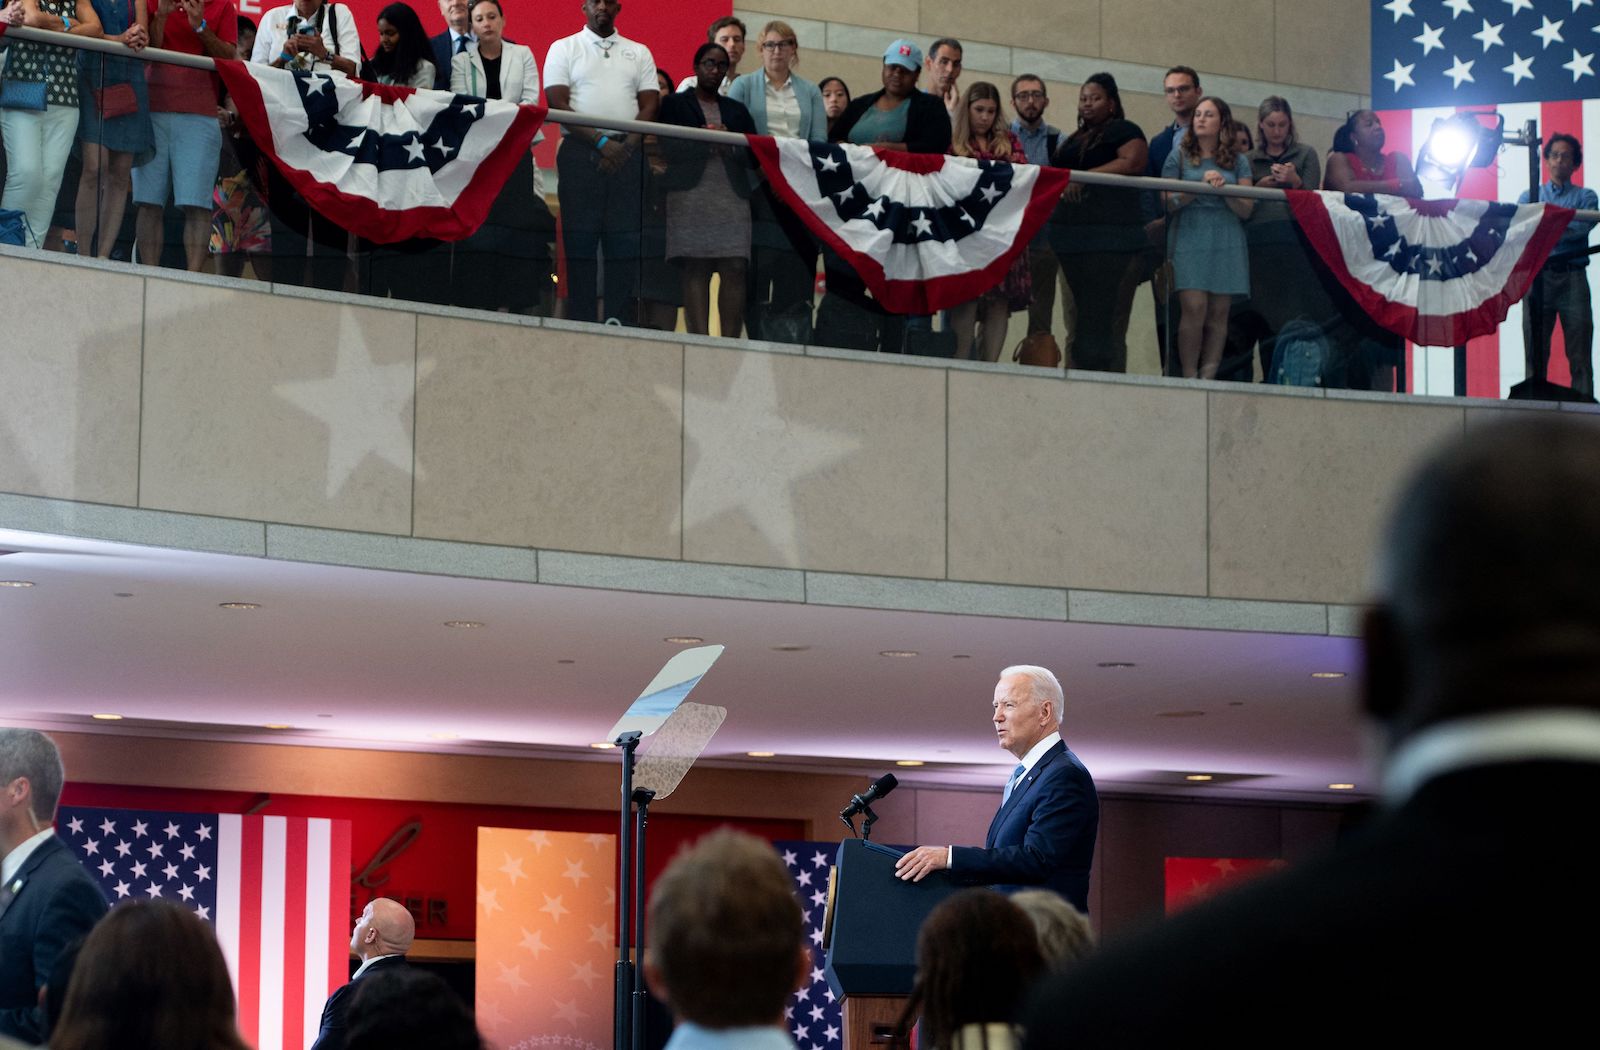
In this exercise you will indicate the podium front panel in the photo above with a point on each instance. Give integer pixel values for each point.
(872, 947)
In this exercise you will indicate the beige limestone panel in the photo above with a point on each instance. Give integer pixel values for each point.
(1325, 44)
(1231, 37)
(1077, 483)
(1299, 487)
(889, 14)
(862, 73)
(1068, 26)
(301, 414)
(69, 369)
(813, 463)
(538, 437)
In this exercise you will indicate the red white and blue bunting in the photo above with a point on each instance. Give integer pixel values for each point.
(387, 163)
(1437, 272)
(924, 232)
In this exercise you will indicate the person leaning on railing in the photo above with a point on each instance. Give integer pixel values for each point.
(1098, 231)
(1283, 285)
(708, 189)
(783, 270)
(982, 133)
(40, 116)
(1358, 164)
(113, 125)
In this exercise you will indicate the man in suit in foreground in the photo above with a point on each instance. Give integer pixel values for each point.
(1465, 910)
(47, 899)
(380, 940)
(1043, 834)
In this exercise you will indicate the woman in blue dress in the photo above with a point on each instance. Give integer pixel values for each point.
(1209, 261)
(114, 141)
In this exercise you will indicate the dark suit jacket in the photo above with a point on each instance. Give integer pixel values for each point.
(57, 903)
(927, 123)
(686, 160)
(1468, 910)
(442, 56)
(1043, 835)
(331, 1035)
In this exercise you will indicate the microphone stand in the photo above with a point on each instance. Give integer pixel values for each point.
(866, 825)
(628, 744)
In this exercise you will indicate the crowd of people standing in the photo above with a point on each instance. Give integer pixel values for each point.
(648, 228)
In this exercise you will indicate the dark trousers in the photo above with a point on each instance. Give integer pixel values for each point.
(1099, 281)
(600, 212)
(1563, 294)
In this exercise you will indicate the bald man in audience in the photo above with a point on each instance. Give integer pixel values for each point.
(1464, 910)
(727, 945)
(380, 940)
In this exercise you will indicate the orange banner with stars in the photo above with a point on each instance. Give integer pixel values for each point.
(546, 949)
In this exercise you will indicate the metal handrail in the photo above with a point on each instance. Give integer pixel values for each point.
(643, 127)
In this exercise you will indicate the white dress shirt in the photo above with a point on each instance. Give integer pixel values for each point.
(1553, 734)
(274, 33)
(19, 856)
(603, 75)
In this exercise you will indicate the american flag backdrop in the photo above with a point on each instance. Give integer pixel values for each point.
(276, 889)
(814, 1018)
(1525, 59)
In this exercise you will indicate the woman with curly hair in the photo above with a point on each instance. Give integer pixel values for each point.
(1207, 246)
(977, 959)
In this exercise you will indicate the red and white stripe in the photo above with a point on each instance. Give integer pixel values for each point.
(283, 890)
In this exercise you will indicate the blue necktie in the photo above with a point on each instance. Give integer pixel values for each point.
(1016, 775)
(461, 44)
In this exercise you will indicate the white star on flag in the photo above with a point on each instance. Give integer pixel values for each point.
(1461, 71)
(1520, 5)
(414, 148)
(1400, 9)
(1458, 8)
(76, 825)
(828, 164)
(172, 830)
(1580, 65)
(1550, 32)
(1429, 39)
(1400, 76)
(1520, 69)
(108, 826)
(1490, 35)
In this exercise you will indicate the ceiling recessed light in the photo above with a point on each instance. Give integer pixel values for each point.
(16, 583)
(910, 762)
(762, 754)
(1341, 787)
(443, 736)
(122, 594)
(683, 639)
(602, 745)
(276, 725)
(1116, 665)
(107, 717)
(1179, 714)
(1327, 674)
(790, 648)
(238, 605)
(464, 624)
(566, 661)
(324, 716)
(898, 652)
(1197, 777)
(1235, 703)
(960, 656)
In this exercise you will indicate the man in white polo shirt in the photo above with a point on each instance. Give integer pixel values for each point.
(599, 72)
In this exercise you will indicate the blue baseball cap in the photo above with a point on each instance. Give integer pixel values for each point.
(903, 53)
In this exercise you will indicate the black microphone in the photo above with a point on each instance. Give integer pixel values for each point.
(879, 788)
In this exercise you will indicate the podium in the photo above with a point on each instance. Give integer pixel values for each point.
(871, 938)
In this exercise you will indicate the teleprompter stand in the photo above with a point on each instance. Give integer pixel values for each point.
(680, 732)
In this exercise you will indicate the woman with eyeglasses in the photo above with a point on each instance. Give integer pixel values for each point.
(708, 212)
(783, 271)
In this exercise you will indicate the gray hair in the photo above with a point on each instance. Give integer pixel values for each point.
(1065, 935)
(1043, 685)
(29, 753)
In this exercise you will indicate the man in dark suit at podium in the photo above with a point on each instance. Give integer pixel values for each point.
(1464, 911)
(1043, 834)
(47, 899)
